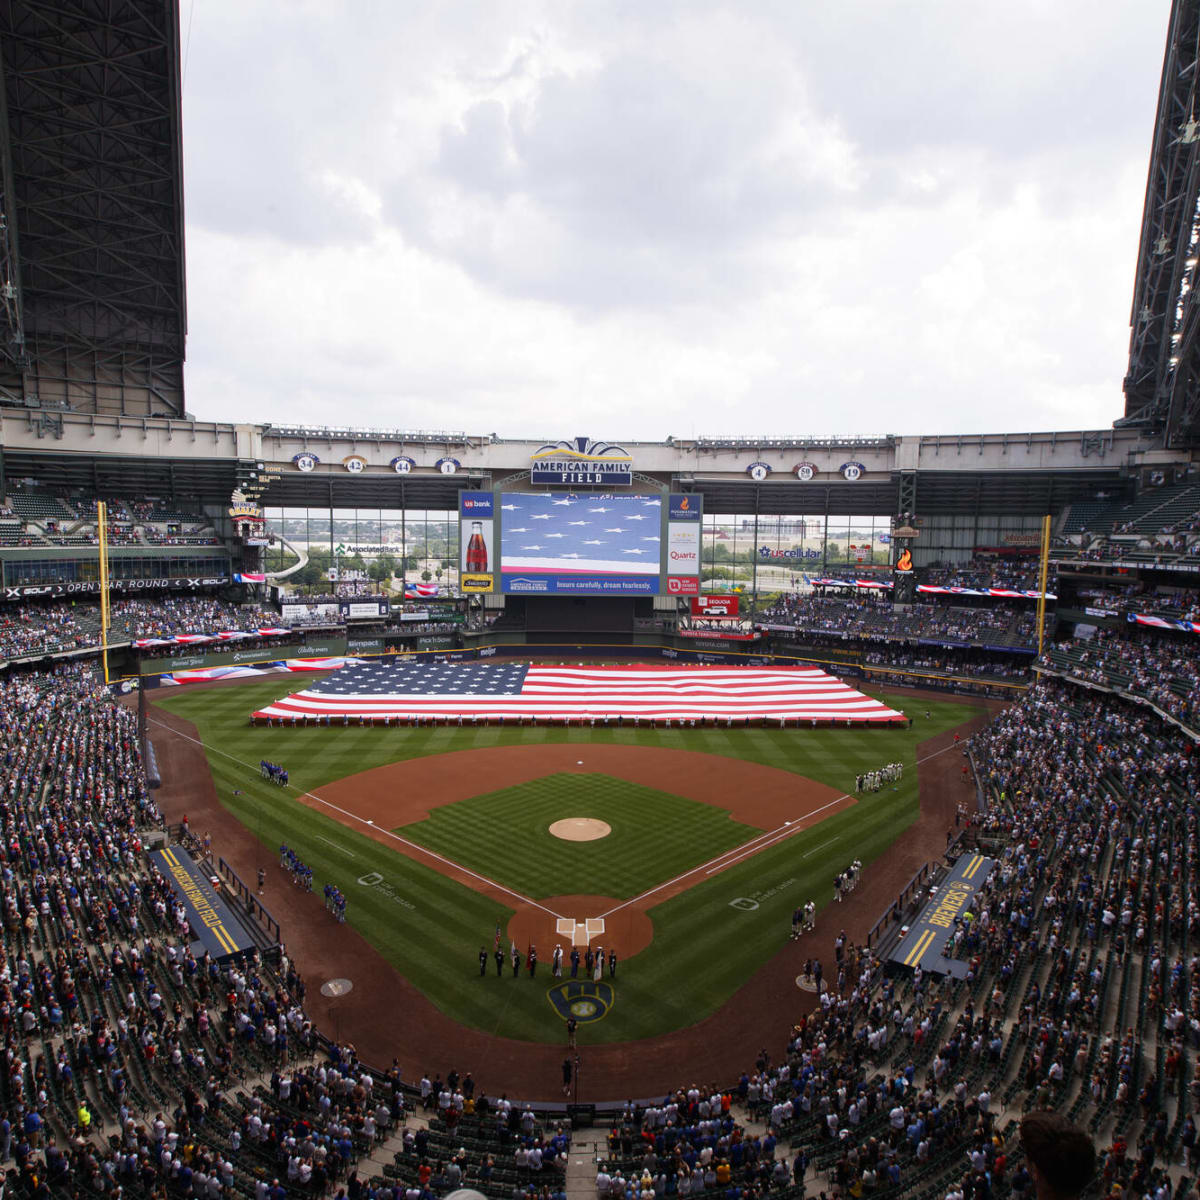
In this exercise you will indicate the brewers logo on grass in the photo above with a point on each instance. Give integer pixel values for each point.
(582, 999)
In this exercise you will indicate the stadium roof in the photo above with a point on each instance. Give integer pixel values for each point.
(92, 308)
(1162, 384)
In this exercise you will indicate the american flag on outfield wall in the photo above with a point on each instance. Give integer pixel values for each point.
(378, 691)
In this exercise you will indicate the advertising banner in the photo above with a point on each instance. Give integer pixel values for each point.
(931, 932)
(364, 645)
(294, 612)
(360, 610)
(684, 507)
(683, 549)
(715, 606)
(91, 587)
(681, 563)
(476, 540)
(212, 921)
(732, 634)
(323, 648)
(435, 643)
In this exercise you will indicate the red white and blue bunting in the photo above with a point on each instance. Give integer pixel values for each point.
(1164, 622)
(931, 589)
(200, 639)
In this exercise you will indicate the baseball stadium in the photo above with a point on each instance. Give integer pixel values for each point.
(389, 812)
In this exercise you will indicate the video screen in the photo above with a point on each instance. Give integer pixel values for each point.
(558, 543)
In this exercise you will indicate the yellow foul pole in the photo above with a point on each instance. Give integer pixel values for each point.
(102, 534)
(1043, 572)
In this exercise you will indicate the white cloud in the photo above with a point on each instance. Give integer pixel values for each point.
(666, 218)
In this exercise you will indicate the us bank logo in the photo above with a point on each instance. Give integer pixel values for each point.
(477, 504)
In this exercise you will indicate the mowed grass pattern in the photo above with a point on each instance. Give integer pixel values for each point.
(431, 928)
(506, 836)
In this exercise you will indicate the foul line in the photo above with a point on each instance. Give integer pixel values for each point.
(746, 850)
(370, 824)
(822, 846)
(763, 841)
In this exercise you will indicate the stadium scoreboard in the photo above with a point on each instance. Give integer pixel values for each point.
(562, 543)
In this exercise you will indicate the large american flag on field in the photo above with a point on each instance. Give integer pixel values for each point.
(389, 690)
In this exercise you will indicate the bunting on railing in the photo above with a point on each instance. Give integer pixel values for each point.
(933, 589)
(200, 639)
(1164, 622)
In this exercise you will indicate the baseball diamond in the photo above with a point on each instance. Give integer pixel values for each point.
(455, 822)
(411, 789)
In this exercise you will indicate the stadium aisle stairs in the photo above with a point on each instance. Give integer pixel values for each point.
(587, 1148)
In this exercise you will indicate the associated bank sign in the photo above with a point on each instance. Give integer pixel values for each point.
(582, 460)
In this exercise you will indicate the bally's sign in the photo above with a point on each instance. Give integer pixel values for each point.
(582, 461)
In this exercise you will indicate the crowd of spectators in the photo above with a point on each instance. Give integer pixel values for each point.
(123, 1043)
(874, 615)
(137, 1066)
(71, 521)
(47, 628)
(1108, 548)
(53, 627)
(974, 672)
(185, 537)
(1082, 995)
(40, 627)
(1181, 603)
(167, 615)
(987, 571)
(1142, 664)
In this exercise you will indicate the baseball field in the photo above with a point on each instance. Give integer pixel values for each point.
(441, 836)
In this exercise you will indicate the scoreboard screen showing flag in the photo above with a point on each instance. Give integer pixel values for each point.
(580, 543)
(379, 691)
(554, 543)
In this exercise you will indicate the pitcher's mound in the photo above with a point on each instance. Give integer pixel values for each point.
(580, 829)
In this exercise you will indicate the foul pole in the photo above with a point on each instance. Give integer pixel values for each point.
(1043, 572)
(102, 534)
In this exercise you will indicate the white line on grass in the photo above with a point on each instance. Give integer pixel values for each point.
(772, 837)
(378, 829)
(746, 850)
(778, 834)
(335, 845)
(822, 846)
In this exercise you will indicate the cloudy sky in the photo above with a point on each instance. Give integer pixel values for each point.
(635, 218)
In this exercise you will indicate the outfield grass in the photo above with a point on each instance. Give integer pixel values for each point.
(505, 835)
(431, 928)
